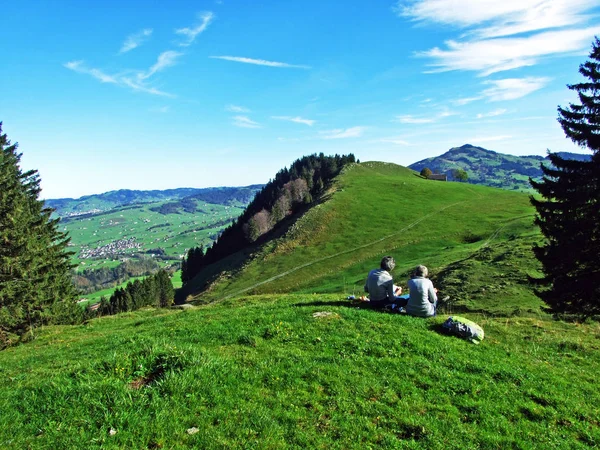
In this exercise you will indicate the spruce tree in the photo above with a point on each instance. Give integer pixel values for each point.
(569, 213)
(35, 283)
(164, 287)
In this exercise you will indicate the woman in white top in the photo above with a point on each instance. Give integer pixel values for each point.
(423, 296)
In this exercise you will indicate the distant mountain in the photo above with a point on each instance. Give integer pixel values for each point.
(491, 168)
(68, 207)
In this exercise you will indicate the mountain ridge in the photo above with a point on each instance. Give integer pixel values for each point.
(121, 197)
(491, 168)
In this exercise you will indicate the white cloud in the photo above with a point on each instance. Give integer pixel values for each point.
(513, 88)
(164, 60)
(340, 133)
(140, 87)
(495, 55)
(261, 62)
(465, 100)
(119, 79)
(79, 67)
(504, 35)
(308, 122)
(135, 40)
(408, 118)
(495, 113)
(191, 33)
(493, 18)
(236, 109)
(245, 122)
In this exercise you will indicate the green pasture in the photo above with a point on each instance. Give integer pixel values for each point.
(174, 233)
(300, 371)
(376, 209)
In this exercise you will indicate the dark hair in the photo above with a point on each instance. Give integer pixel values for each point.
(388, 263)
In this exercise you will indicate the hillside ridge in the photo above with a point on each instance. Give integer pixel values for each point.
(491, 168)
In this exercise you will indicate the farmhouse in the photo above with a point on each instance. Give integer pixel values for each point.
(438, 177)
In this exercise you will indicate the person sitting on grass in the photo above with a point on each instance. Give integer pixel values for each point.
(380, 286)
(422, 300)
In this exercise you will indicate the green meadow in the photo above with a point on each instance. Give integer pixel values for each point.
(300, 371)
(174, 233)
(274, 356)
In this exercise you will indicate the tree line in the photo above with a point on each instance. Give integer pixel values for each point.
(155, 290)
(92, 280)
(290, 191)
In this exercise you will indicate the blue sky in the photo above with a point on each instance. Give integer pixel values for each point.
(155, 95)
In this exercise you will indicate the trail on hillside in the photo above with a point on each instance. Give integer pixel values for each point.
(335, 255)
(369, 244)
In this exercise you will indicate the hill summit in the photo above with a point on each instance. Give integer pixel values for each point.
(491, 168)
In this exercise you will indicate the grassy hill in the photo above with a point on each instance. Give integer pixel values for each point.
(491, 168)
(274, 356)
(377, 209)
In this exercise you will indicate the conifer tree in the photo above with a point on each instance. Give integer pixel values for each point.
(164, 288)
(35, 283)
(569, 213)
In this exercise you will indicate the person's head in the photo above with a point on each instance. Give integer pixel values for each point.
(388, 263)
(421, 271)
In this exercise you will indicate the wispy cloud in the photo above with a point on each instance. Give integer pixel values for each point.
(236, 109)
(164, 60)
(245, 122)
(308, 122)
(80, 67)
(465, 100)
(416, 120)
(135, 40)
(140, 87)
(190, 33)
(513, 88)
(495, 113)
(261, 62)
(340, 133)
(134, 82)
(499, 36)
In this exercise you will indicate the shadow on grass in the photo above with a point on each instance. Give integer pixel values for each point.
(348, 304)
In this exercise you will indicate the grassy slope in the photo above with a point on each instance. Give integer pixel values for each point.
(267, 374)
(380, 209)
(263, 372)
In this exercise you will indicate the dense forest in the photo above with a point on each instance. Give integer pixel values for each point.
(156, 290)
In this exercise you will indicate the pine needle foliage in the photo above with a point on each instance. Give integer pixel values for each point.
(569, 211)
(35, 283)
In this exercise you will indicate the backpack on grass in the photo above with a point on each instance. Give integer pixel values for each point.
(464, 328)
